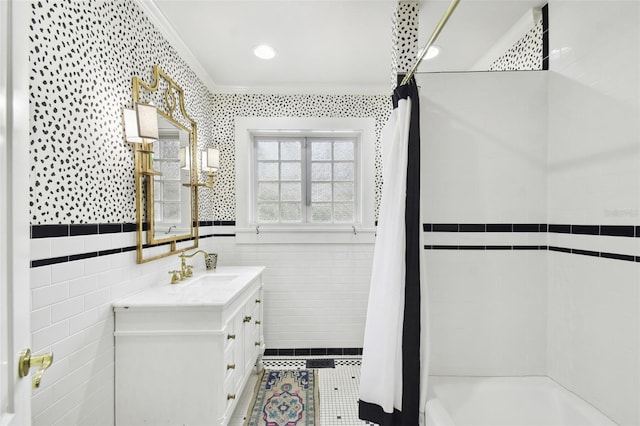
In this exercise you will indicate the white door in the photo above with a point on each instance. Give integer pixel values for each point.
(15, 333)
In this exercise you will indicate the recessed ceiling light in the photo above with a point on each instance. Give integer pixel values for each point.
(431, 53)
(264, 52)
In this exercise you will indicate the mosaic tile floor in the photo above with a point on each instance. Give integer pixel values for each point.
(338, 389)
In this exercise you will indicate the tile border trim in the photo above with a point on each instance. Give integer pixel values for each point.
(312, 351)
(74, 230)
(633, 231)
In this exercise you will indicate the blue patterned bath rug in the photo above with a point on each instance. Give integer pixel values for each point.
(285, 398)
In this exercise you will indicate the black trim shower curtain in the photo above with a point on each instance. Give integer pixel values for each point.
(394, 366)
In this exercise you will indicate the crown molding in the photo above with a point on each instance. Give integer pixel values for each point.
(385, 90)
(168, 31)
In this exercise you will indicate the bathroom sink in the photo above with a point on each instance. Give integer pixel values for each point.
(211, 279)
(203, 289)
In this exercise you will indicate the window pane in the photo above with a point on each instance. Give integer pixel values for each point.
(170, 170)
(171, 212)
(321, 151)
(170, 149)
(343, 171)
(321, 171)
(343, 150)
(267, 171)
(157, 190)
(321, 212)
(268, 191)
(343, 191)
(290, 191)
(171, 191)
(157, 212)
(267, 150)
(268, 212)
(290, 150)
(291, 212)
(343, 212)
(290, 171)
(320, 192)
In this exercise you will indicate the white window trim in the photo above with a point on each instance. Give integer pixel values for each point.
(249, 232)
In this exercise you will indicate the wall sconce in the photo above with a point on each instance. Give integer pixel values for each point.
(210, 164)
(185, 158)
(141, 129)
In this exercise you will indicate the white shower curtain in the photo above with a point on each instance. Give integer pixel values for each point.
(394, 368)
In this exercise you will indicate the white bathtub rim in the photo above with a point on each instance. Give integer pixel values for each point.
(436, 410)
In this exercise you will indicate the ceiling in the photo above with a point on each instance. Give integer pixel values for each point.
(322, 46)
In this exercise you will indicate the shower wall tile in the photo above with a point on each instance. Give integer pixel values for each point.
(487, 312)
(484, 162)
(594, 178)
(484, 150)
(593, 329)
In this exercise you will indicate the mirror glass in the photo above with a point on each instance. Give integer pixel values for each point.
(166, 175)
(171, 189)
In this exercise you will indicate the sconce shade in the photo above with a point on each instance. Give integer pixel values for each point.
(185, 158)
(131, 126)
(147, 121)
(141, 124)
(211, 159)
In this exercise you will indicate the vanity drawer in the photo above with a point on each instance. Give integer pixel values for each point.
(230, 335)
(231, 364)
(231, 395)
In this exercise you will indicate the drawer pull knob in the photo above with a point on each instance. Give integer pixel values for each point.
(247, 319)
(231, 366)
(258, 301)
(231, 396)
(231, 336)
(258, 322)
(257, 343)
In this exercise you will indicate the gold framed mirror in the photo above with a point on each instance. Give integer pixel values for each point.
(166, 172)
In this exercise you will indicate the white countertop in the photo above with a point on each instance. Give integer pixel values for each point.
(203, 289)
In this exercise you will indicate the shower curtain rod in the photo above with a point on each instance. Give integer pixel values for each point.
(432, 39)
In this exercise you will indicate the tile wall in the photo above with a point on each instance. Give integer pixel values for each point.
(594, 179)
(484, 177)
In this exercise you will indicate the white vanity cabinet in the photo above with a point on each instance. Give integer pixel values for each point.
(185, 352)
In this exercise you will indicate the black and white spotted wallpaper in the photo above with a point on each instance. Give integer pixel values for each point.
(83, 55)
(525, 54)
(404, 38)
(221, 204)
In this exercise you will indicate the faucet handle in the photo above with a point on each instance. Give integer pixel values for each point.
(189, 271)
(175, 277)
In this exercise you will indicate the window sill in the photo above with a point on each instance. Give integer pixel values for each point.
(265, 234)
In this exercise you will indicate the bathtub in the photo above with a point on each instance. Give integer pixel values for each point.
(507, 401)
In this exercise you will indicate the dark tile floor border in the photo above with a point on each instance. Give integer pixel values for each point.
(312, 351)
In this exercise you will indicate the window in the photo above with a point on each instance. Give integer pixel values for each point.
(298, 146)
(306, 179)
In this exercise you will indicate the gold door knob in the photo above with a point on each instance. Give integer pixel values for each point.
(231, 336)
(231, 396)
(231, 366)
(26, 361)
(247, 319)
(258, 301)
(257, 343)
(258, 322)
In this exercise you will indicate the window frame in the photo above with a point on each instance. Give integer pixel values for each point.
(249, 231)
(307, 138)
